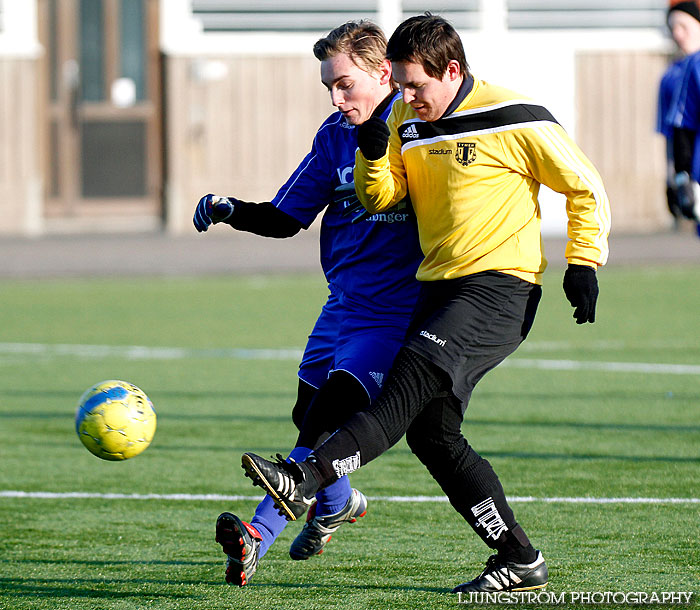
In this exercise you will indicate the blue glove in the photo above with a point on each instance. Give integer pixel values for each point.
(212, 209)
(345, 194)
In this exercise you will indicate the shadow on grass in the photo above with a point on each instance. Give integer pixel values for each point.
(229, 417)
(269, 451)
(71, 397)
(340, 587)
(582, 457)
(85, 588)
(614, 426)
(468, 422)
(118, 588)
(578, 457)
(521, 455)
(130, 562)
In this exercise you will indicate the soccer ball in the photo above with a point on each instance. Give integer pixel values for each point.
(115, 420)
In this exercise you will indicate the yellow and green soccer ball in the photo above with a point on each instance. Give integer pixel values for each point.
(115, 420)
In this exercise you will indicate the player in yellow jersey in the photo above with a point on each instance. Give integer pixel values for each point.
(472, 156)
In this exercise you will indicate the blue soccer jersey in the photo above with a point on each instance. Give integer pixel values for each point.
(685, 106)
(371, 263)
(670, 82)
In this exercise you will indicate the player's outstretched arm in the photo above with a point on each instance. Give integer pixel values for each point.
(260, 218)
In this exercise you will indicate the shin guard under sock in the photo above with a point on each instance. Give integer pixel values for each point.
(515, 546)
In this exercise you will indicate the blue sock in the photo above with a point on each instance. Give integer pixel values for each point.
(334, 497)
(267, 520)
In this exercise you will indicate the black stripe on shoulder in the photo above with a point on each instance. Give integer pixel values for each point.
(488, 119)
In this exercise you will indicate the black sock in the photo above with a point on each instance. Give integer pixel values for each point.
(340, 454)
(483, 503)
(320, 469)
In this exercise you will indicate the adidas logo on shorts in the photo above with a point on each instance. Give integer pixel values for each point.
(378, 377)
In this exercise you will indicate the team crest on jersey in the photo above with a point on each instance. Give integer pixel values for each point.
(466, 152)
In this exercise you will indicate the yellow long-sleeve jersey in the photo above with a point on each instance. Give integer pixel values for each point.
(473, 178)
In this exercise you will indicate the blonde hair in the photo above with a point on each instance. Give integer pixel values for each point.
(362, 41)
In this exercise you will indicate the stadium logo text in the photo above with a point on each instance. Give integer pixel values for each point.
(433, 338)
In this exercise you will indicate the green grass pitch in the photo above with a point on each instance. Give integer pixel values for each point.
(573, 414)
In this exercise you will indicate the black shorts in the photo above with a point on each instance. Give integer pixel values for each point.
(469, 325)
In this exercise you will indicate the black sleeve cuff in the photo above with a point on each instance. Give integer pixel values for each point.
(263, 219)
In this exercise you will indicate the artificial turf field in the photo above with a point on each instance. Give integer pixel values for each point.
(578, 416)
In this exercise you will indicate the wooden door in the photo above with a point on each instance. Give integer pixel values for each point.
(102, 138)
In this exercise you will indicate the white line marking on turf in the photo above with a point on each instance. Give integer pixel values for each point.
(139, 352)
(52, 495)
(611, 367)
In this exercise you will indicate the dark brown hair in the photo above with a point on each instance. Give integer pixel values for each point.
(427, 40)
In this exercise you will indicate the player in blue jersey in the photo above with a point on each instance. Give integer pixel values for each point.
(679, 112)
(370, 267)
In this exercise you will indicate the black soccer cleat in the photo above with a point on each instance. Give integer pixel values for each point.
(241, 543)
(285, 482)
(501, 575)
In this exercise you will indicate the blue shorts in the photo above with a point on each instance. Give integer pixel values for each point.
(361, 343)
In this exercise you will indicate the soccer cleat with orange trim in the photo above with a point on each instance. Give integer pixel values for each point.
(241, 542)
(317, 530)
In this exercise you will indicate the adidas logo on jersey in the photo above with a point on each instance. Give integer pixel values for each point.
(410, 132)
(378, 377)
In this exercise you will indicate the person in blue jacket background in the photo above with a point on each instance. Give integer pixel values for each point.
(683, 20)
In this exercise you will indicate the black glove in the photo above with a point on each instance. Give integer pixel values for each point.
(581, 288)
(372, 138)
